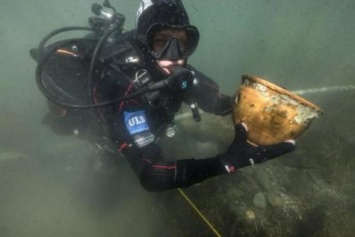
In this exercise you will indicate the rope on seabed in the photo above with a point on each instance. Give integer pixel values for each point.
(199, 213)
(325, 89)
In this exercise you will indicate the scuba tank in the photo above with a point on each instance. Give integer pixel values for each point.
(77, 61)
(65, 69)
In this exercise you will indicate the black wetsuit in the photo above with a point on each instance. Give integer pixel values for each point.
(134, 124)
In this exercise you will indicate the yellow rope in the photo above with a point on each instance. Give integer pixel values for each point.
(199, 213)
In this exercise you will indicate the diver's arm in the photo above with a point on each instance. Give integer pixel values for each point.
(157, 174)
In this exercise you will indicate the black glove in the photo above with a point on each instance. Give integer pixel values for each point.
(241, 153)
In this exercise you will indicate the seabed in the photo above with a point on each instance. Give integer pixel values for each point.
(55, 190)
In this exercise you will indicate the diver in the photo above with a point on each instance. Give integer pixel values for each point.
(133, 88)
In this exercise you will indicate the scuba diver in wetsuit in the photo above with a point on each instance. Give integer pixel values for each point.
(135, 82)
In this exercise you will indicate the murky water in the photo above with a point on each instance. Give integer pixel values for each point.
(49, 185)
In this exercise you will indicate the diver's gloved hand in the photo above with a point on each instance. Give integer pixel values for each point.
(241, 153)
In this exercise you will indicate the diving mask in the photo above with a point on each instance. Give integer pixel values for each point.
(172, 43)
